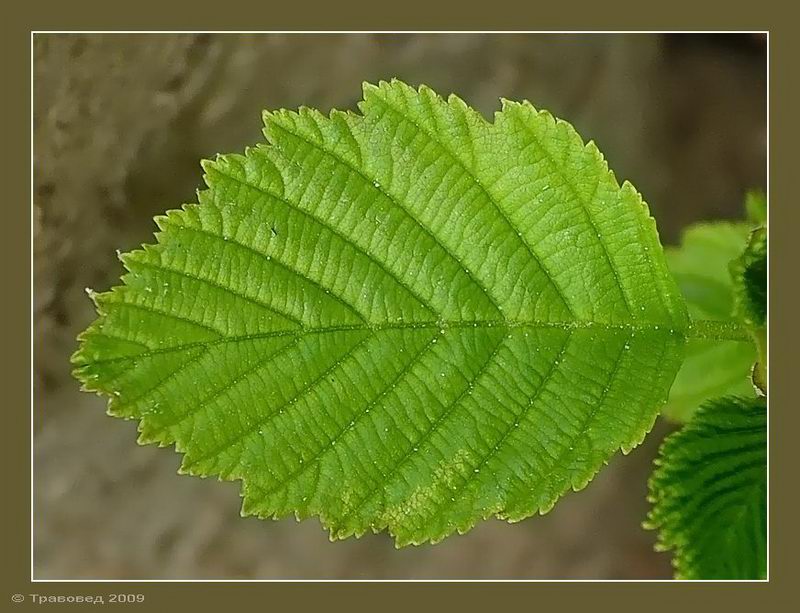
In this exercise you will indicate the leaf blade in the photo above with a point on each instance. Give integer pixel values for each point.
(408, 319)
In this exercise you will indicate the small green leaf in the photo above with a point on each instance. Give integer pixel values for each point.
(709, 492)
(755, 204)
(409, 319)
(749, 273)
(701, 267)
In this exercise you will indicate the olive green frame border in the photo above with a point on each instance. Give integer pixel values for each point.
(413, 15)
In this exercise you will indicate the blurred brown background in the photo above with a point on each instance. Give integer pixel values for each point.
(120, 123)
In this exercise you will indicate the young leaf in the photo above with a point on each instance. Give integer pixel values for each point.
(755, 204)
(709, 492)
(750, 280)
(701, 267)
(408, 319)
(749, 273)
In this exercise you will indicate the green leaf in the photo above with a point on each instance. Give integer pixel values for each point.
(408, 319)
(709, 492)
(755, 204)
(701, 267)
(749, 273)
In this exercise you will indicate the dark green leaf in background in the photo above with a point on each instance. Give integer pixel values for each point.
(709, 492)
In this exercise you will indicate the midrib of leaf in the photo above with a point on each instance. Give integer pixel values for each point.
(698, 329)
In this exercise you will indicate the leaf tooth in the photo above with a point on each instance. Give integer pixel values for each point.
(367, 88)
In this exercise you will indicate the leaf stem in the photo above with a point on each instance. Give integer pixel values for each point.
(718, 330)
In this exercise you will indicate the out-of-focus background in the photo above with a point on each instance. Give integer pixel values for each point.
(120, 123)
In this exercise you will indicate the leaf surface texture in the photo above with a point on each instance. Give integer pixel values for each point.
(406, 319)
